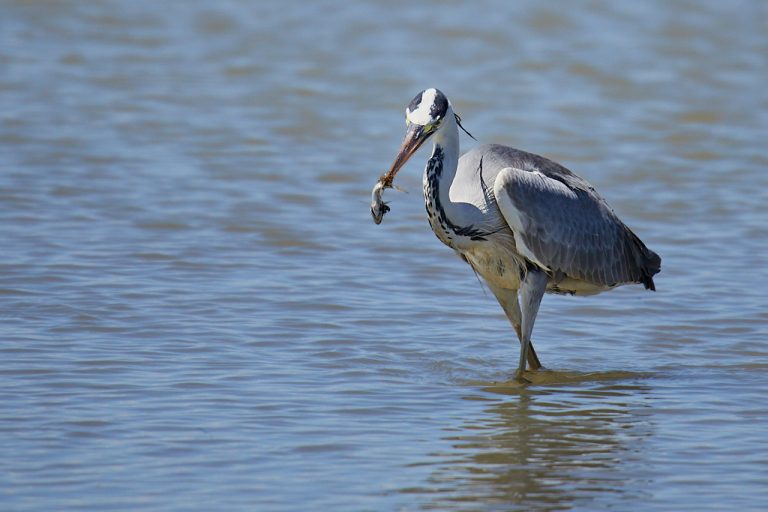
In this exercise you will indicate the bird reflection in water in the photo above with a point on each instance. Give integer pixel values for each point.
(549, 450)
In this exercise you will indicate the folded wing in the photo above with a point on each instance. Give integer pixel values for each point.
(561, 224)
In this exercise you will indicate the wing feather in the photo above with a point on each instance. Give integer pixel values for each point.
(561, 224)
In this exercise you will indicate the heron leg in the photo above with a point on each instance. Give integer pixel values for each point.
(509, 303)
(531, 292)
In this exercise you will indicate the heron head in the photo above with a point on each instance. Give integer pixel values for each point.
(423, 116)
(427, 109)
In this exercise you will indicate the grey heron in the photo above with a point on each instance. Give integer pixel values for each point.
(525, 224)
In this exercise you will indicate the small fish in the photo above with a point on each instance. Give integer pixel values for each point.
(378, 206)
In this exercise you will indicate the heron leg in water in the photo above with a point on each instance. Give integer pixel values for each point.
(508, 301)
(531, 292)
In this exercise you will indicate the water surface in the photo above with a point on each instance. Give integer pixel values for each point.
(198, 312)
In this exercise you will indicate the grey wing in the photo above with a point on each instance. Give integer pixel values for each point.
(563, 225)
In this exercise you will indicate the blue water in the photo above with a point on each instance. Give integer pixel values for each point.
(198, 312)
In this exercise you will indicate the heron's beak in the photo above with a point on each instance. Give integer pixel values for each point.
(414, 138)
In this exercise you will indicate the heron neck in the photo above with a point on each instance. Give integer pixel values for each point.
(447, 218)
(446, 141)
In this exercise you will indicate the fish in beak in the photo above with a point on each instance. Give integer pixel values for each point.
(415, 136)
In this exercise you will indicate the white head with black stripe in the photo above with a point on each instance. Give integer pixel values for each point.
(424, 116)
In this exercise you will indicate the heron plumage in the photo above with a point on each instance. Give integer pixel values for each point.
(561, 223)
(525, 223)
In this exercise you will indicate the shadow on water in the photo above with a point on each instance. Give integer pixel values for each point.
(548, 448)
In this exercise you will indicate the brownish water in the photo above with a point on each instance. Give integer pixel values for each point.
(199, 313)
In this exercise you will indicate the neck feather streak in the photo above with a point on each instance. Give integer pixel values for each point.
(437, 177)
